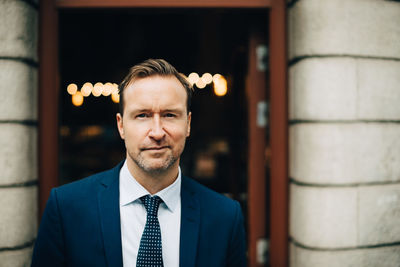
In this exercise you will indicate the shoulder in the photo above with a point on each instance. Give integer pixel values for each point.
(89, 185)
(210, 199)
(221, 221)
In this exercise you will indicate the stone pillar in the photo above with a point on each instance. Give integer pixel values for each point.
(344, 144)
(18, 131)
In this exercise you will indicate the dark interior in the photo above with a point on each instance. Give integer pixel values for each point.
(101, 45)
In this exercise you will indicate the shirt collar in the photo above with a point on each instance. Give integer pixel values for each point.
(131, 190)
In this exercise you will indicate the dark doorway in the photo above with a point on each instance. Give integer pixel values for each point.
(100, 46)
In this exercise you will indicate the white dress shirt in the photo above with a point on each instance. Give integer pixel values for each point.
(133, 218)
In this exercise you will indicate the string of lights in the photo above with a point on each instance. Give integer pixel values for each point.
(220, 87)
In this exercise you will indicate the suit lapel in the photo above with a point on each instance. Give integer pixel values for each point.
(190, 221)
(108, 200)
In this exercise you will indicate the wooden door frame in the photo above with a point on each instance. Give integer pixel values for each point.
(48, 99)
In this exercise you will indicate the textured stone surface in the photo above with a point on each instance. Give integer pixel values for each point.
(379, 214)
(18, 153)
(345, 217)
(378, 89)
(344, 153)
(18, 30)
(18, 220)
(369, 257)
(17, 258)
(323, 89)
(344, 27)
(323, 217)
(19, 90)
(344, 89)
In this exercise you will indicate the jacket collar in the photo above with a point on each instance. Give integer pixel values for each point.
(108, 203)
(190, 222)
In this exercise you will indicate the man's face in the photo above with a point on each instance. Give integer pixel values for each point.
(155, 123)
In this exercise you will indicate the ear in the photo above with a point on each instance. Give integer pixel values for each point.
(120, 125)
(188, 124)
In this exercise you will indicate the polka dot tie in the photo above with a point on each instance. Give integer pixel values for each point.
(150, 249)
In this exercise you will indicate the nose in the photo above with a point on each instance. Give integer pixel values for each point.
(157, 131)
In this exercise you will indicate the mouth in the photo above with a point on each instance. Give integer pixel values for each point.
(155, 148)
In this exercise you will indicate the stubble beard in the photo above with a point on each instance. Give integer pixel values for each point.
(143, 164)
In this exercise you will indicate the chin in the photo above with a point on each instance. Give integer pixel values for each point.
(156, 167)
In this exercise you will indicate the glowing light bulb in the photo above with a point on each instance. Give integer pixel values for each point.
(72, 88)
(107, 89)
(220, 91)
(77, 99)
(193, 77)
(216, 77)
(200, 84)
(220, 86)
(115, 97)
(97, 89)
(115, 88)
(207, 78)
(86, 89)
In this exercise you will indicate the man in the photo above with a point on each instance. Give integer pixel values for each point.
(143, 212)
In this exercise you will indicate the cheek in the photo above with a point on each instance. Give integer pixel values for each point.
(177, 133)
(134, 135)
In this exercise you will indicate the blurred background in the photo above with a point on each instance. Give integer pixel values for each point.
(96, 49)
(101, 46)
(296, 114)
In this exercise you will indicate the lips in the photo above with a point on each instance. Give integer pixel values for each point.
(155, 148)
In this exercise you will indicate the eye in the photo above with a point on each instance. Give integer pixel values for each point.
(170, 115)
(142, 115)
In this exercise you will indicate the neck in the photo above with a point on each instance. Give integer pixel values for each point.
(153, 182)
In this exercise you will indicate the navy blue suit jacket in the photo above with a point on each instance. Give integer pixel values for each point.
(81, 226)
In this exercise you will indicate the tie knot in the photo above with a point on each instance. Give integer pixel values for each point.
(151, 203)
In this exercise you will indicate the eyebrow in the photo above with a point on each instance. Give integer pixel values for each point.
(172, 110)
(177, 110)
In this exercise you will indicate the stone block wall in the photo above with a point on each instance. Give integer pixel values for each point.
(18, 131)
(344, 132)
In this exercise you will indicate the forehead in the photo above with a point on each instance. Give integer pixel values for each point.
(155, 90)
